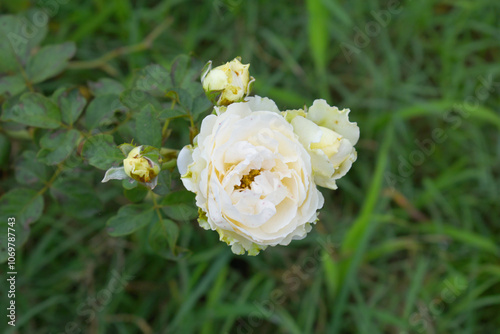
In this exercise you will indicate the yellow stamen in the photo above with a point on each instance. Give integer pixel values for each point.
(246, 181)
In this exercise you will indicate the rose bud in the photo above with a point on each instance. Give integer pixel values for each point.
(141, 164)
(227, 83)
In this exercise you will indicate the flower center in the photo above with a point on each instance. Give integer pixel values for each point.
(247, 180)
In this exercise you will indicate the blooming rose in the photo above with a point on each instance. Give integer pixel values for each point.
(252, 177)
(227, 83)
(141, 165)
(329, 137)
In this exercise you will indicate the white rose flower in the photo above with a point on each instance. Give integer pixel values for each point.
(252, 177)
(329, 137)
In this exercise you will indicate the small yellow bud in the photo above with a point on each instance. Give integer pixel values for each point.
(140, 168)
(227, 83)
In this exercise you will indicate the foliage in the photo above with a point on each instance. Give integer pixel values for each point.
(409, 244)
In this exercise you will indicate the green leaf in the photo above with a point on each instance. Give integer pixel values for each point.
(71, 103)
(26, 206)
(129, 184)
(33, 109)
(148, 127)
(101, 110)
(163, 234)
(17, 39)
(171, 113)
(183, 74)
(164, 181)
(151, 152)
(130, 218)
(101, 152)
(185, 99)
(193, 101)
(49, 61)
(12, 84)
(154, 79)
(106, 86)
(30, 171)
(180, 205)
(179, 197)
(126, 148)
(4, 150)
(181, 212)
(136, 99)
(200, 105)
(76, 197)
(8, 38)
(57, 146)
(135, 194)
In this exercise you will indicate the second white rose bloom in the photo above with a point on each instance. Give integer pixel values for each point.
(252, 177)
(329, 138)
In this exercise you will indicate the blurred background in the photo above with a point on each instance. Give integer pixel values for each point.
(407, 244)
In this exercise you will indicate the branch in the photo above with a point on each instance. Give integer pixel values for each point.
(102, 62)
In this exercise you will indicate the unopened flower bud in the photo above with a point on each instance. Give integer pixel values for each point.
(139, 167)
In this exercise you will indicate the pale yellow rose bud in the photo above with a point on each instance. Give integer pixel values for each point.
(140, 168)
(227, 83)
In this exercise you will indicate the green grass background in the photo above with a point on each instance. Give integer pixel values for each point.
(407, 244)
